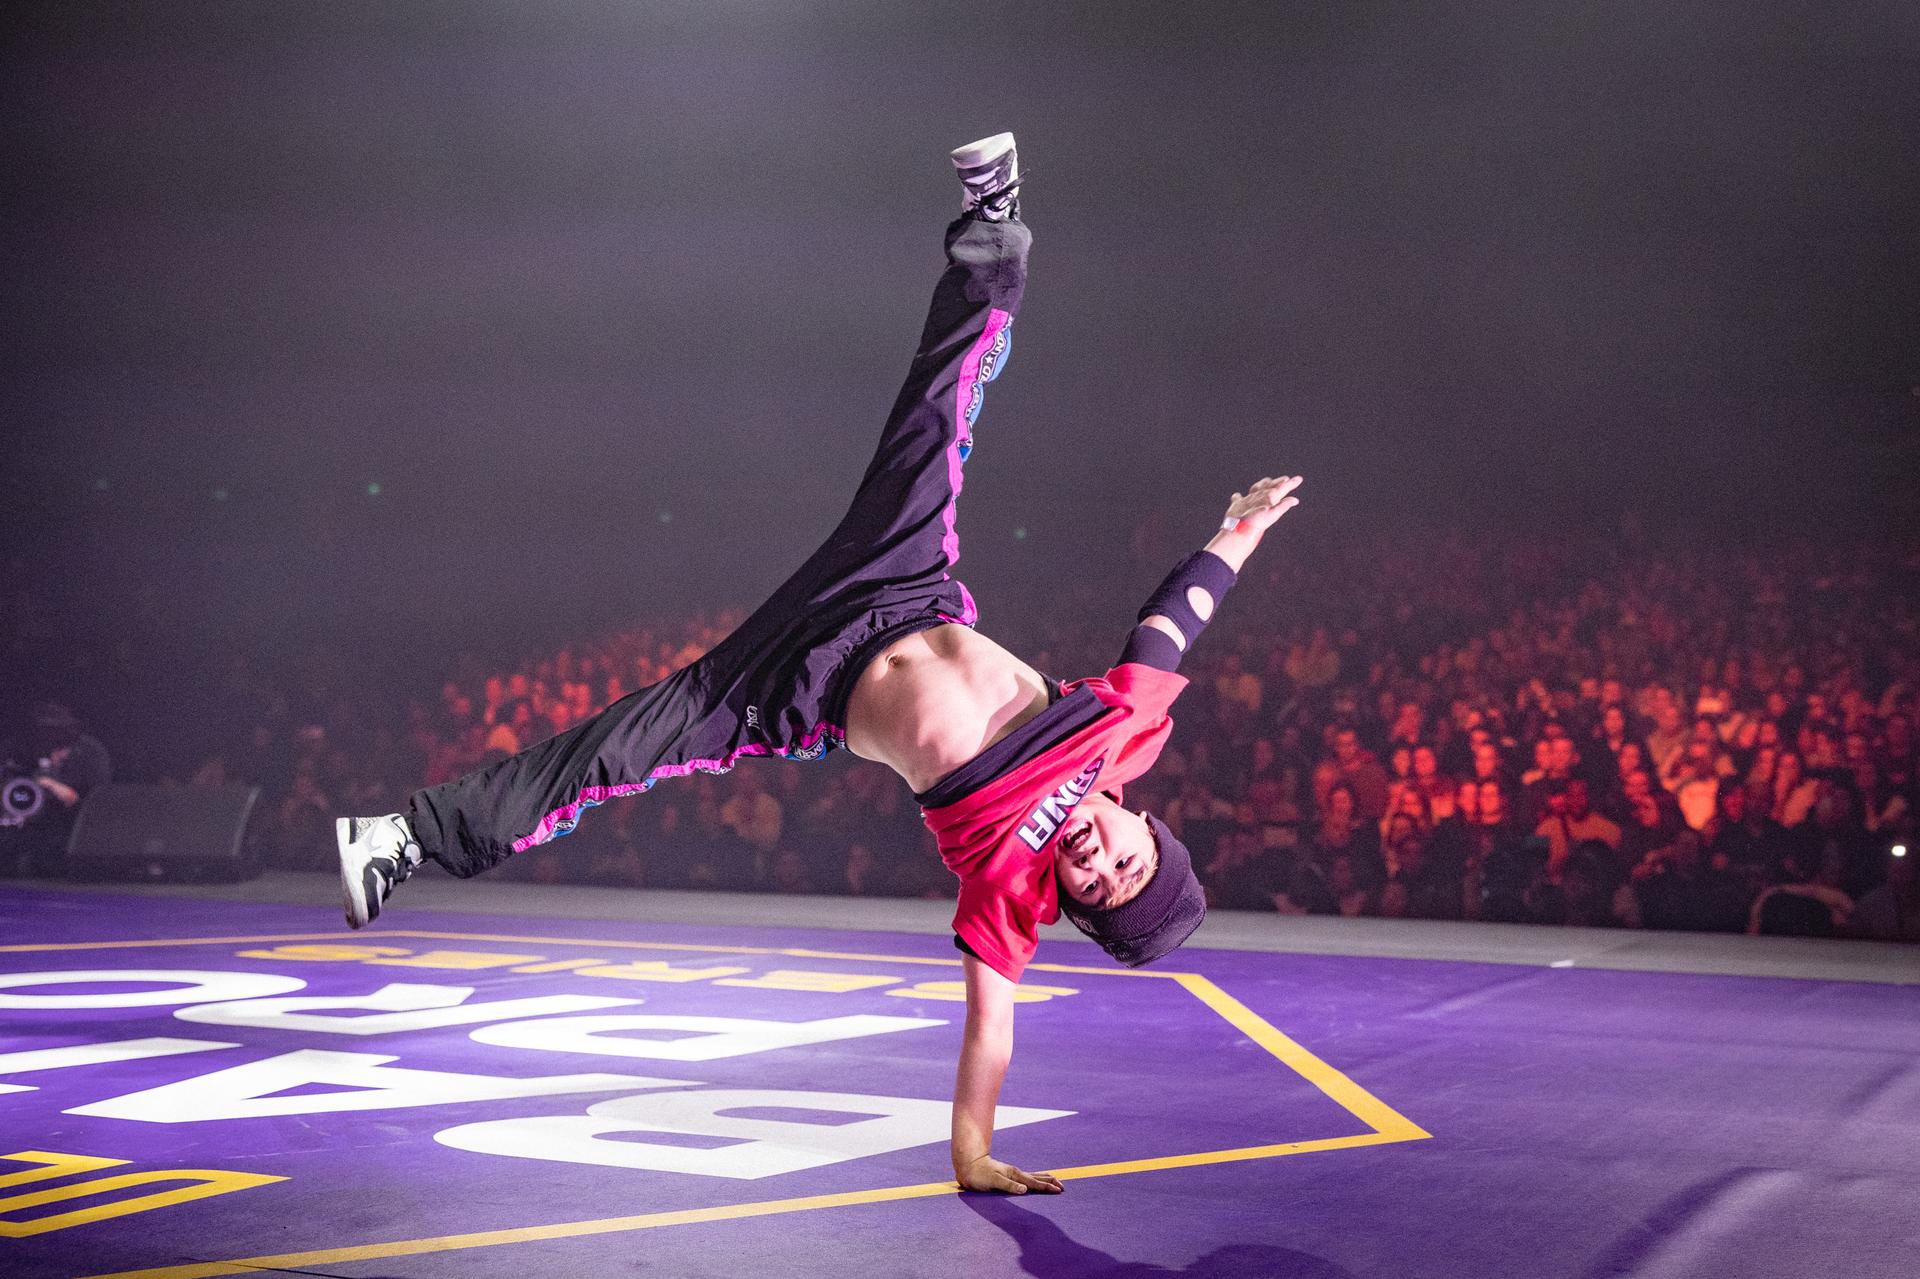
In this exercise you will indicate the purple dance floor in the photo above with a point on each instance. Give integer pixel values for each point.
(190, 1087)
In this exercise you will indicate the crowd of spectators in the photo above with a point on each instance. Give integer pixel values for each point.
(1596, 733)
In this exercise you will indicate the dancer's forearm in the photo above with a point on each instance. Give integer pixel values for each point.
(984, 1056)
(985, 1051)
(1177, 612)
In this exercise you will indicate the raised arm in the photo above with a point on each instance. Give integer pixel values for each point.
(984, 1054)
(1180, 608)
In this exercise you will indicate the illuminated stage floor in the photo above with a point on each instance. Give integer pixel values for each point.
(586, 1083)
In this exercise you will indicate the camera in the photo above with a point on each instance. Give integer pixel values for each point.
(20, 799)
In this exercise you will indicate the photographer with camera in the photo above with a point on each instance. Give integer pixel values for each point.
(44, 774)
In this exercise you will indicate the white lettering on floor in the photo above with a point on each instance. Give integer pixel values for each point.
(867, 1125)
(33, 1059)
(247, 1092)
(192, 986)
(713, 1038)
(399, 1006)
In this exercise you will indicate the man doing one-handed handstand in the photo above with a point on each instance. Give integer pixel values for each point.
(870, 646)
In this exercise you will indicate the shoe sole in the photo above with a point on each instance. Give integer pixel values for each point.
(359, 906)
(975, 154)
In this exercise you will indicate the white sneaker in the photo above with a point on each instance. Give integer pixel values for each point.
(990, 172)
(376, 855)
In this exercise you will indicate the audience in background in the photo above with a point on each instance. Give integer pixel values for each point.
(1572, 734)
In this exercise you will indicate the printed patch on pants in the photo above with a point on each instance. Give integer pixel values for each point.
(996, 357)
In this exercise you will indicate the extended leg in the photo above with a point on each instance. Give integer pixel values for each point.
(901, 525)
(768, 689)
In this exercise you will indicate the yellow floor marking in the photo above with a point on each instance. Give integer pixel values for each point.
(54, 1165)
(558, 965)
(1226, 1156)
(1363, 1105)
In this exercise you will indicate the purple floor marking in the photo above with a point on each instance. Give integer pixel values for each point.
(1584, 1123)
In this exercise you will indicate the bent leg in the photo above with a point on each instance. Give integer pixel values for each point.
(477, 821)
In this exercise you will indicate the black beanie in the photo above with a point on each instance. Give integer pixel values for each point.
(1164, 915)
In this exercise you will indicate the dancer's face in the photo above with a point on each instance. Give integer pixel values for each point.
(1104, 855)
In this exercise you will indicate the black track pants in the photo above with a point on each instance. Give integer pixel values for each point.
(778, 685)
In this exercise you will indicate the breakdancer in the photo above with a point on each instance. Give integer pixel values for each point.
(871, 647)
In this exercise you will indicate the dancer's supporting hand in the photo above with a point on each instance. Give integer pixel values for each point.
(1251, 514)
(988, 1173)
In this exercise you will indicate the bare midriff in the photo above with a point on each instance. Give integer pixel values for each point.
(934, 699)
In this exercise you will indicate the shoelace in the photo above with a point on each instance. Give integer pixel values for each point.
(999, 197)
(406, 867)
(395, 871)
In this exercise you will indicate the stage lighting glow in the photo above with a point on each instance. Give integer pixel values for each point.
(1899, 850)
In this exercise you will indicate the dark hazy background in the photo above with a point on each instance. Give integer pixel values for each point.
(608, 299)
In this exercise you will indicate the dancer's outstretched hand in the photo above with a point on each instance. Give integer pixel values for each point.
(1256, 510)
(988, 1173)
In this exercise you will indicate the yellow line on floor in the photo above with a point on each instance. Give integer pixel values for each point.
(1226, 1156)
(1367, 1108)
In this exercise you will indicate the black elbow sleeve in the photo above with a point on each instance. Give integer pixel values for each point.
(1203, 569)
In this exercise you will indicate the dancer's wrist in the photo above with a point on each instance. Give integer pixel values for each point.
(1234, 543)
